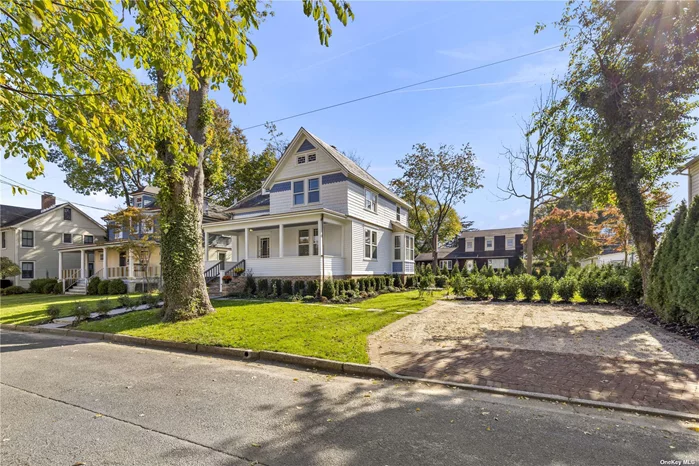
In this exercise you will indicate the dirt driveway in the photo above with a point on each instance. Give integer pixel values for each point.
(591, 352)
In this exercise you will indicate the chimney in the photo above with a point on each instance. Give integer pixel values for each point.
(48, 200)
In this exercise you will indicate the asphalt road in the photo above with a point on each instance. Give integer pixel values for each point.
(66, 401)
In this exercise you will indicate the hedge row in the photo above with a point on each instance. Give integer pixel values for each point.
(622, 285)
(97, 286)
(332, 289)
(673, 288)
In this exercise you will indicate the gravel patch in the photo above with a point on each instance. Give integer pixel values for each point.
(595, 330)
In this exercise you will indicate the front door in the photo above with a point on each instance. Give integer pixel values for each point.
(222, 258)
(90, 264)
(263, 249)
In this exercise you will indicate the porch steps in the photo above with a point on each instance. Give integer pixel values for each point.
(80, 288)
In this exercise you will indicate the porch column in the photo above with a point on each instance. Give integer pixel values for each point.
(206, 246)
(104, 264)
(342, 241)
(60, 265)
(130, 263)
(82, 263)
(246, 245)
(281, 240)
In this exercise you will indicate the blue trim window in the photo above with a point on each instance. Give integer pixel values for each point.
(313, 190)
(298, 193)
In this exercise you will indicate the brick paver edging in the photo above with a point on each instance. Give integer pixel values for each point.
(332, 366)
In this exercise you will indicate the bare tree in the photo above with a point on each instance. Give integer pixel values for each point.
(536, 160)
(358, 159)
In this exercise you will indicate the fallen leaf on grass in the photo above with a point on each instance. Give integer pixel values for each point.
(256, 445)
(98, 415)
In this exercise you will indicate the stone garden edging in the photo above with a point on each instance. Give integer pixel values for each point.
(333, 366)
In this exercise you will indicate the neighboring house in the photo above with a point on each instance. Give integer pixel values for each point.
(29, 237)
(498, 248)
(318, 214)
(610, 257)
(692, 172)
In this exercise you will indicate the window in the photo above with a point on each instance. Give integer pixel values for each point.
(409, 248)
(304, 242)
(123, 261)
(371, 199)
(101, 256)
(139, 201)
(67, 213)
(497, 263)
(489, 244)
(4, 245)
(398, 213)
(446, 264)
(263, 247)
(370, 244)
(510, 243)
(298, 193)
(89, 239)
(27, 239)
(469, 245)
(300, 159)
(67, 238)
(312, 158)
(396, 248)
(313, 190)
(28, 270)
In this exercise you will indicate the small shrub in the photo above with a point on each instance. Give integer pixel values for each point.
(298, 287)
(479, 285)
(37, 285)
(14, 289)
(457, 283)
(262, 286)
(328, 289)
(312, 288)
(546, 288)
(527, 285)
(117, 286)
(425, 282)
(48, 288)
(496, 286)
(612, 289)
(510, 287)
(287, 287)
(250, 285)
(410, 281)
(93, 286)
(278, 286)
(81, 312)
(589, 289)
(53, 311)
(103, 287)
(566, 288)
(125, 301)
(103, 307)
(308, 298)
(58, 288)
(634, 284)
(441, 281)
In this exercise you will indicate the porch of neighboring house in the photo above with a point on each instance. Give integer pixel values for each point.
(293, 245)
(108, 261)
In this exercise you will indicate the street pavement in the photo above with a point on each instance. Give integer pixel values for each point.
(67, 401)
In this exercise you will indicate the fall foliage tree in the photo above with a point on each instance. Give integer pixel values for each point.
(566, 235)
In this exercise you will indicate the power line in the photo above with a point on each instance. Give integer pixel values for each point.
(389, 91)
(12, 182)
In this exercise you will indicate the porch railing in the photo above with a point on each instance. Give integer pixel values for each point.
(213, 272)
(117, 272)
(152, 271)
(239, 264)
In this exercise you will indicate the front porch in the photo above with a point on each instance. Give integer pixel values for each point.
(108, 262)
(290, 245)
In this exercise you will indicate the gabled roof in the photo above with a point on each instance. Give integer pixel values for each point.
(255, 199)
(352, 170)
(13, 215)
(147, 190)
(442, 253)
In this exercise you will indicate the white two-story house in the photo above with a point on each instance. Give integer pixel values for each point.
(319, 215)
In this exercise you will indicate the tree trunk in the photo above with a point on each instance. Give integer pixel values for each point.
(633, 207)
(530, 232)
(182, 200)
(435, 243)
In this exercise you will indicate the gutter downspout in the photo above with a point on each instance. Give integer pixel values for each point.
(322, 252)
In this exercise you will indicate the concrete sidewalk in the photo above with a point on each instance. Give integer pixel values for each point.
(66, 400)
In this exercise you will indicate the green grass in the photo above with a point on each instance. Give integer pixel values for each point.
(30, 308)
(327, 331)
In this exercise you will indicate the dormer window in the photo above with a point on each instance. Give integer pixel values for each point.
(301, 159)
(370, 200)
(67, 213)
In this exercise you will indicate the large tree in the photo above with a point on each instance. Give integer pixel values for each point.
(536, 161)
(632, 79)
(66, 60)
(421, 218)
(567, 236)
(445, 176)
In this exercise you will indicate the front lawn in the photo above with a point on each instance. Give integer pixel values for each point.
(327, 331)
(30, 308)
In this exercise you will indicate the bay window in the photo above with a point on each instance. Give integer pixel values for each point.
(396, 248)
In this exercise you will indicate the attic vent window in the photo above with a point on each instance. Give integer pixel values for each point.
(300, 160)
(312, 157)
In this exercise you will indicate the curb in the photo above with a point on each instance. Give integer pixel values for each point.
(329, 365)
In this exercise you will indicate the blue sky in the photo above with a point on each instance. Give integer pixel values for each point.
(391, 44)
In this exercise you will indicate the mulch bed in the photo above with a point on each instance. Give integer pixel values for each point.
(690, 332)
